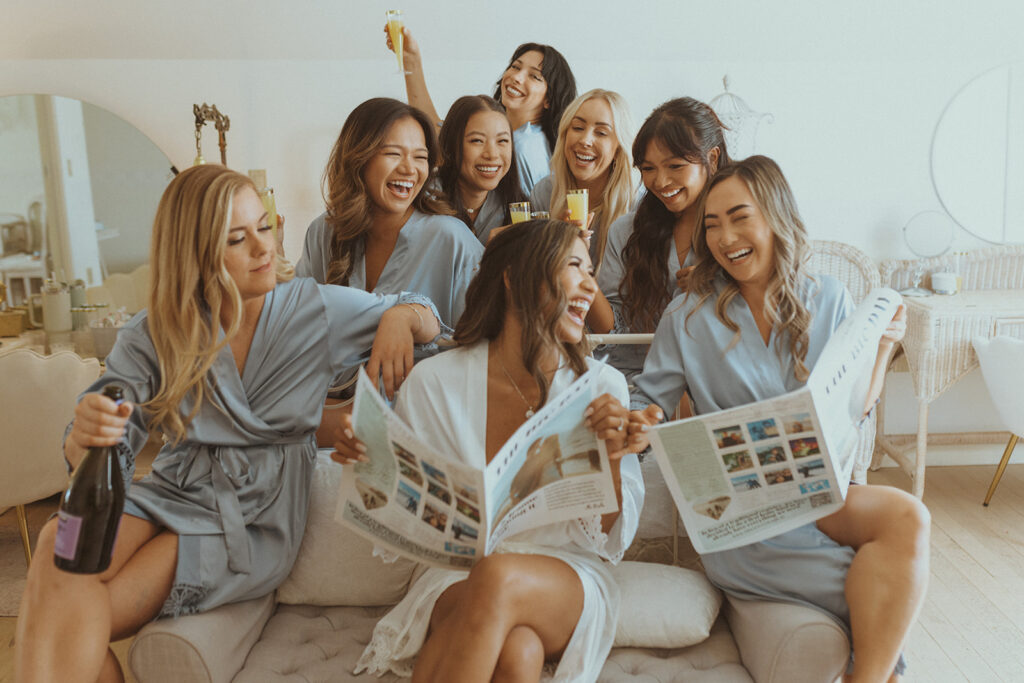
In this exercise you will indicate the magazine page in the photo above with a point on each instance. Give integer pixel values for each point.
(552, 469)
(748, 473)
(407, 497)
(840, 380)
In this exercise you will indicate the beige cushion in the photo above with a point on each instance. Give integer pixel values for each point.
(664, 606)
(204, 648)
(335, 566)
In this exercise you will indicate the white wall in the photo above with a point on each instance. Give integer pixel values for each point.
(855, 88)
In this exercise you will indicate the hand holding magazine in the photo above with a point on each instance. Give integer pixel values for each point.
(755, 471)
(415, 501)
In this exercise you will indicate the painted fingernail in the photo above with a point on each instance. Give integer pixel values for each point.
(361, 448)
(588, 412)
(348, 433)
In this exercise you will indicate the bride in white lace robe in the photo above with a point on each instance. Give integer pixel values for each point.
(466, 402)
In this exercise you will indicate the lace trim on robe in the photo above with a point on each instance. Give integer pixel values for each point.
(183, 600)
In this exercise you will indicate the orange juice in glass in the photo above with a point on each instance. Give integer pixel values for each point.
(520, 211)
(577, 201)
(396, 22)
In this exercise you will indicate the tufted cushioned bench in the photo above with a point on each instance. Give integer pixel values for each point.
(264, 641)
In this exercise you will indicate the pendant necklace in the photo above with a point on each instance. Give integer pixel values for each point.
(529, 408)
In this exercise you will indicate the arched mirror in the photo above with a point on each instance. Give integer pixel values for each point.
(977, 156)
(79, 188)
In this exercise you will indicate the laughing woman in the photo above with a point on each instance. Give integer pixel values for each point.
(230, 362)
(478, 172)
(535, 89)
(648, 256)
(545, 595)
(751, 326)
(382, 232)
(591, 153)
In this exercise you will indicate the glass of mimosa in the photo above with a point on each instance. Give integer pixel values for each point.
(396, 22)
(520, 211)
(577, 201)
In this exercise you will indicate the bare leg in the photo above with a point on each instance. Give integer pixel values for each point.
(66, 620)
(522, 657)
(886, 583)
(541, 594)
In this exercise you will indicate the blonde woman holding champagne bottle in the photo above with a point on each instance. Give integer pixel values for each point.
(230, 361)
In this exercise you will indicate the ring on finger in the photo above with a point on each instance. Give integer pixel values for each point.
(622, 424)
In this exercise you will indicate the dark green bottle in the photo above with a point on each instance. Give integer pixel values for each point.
(90, 510)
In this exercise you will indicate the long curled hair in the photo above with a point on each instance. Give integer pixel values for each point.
(190, 288)
(349, 207)
(560, 82)
(451, 138)
(690, 130)
(531, 255)
(618, 190)
(783, 306)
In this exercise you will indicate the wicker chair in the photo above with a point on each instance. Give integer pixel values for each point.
(859, 273)
(993, 268)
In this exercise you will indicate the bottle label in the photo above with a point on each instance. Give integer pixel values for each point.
(68, 529)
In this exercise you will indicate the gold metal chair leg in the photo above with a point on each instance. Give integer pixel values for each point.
(23, 524)
(1002, 466)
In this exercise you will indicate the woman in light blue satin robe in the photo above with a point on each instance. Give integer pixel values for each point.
(230, 362)
(648, 256)
(382, 231)
(478, 173)
(751, 327)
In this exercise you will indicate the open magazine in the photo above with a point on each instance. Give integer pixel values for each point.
(755, 471)
(413, 500)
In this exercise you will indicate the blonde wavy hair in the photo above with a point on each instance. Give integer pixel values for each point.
(190, 288)
(618, 191)
(783, 306)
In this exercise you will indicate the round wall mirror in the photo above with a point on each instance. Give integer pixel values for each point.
(977, 155)
(79, 187)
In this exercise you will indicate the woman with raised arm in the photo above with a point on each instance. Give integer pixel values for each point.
(230, 361)
(591, 153)
(478, 172)
(648, 256)
(750, 327)
(545, 595)
(535, 89)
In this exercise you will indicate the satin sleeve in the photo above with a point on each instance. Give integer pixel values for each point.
(353, 316)
(316, 250)
(133, 365)
(663, 380)
(609, 278)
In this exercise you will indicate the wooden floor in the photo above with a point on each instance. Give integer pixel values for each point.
(972, 625)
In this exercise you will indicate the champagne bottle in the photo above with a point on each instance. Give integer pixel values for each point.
(90, 510)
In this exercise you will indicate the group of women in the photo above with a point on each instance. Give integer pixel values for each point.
(235, 358)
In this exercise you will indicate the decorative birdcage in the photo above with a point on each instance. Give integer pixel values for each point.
(740, 120)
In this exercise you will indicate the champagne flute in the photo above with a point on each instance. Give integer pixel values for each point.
(396, 22)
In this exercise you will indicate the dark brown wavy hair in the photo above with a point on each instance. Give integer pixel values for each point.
(560, 81)
(688, 129)
(531, 255)
(349, 207)
(453, 131)
(783, 306)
